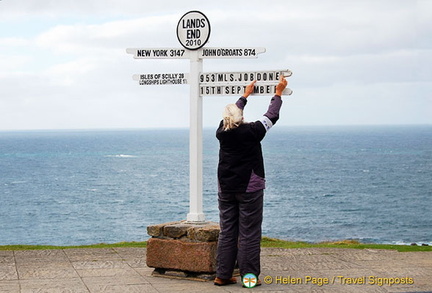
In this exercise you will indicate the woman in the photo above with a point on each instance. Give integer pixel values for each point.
(241, 184)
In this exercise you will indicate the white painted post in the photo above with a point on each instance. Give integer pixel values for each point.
(195, 142)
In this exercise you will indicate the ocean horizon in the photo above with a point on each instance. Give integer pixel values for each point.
(324, 183)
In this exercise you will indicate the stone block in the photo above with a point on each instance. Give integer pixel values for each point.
(180, 255)
(207, 233)
(176, 230)
(157, 230)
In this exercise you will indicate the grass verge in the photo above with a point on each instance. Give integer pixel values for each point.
(266, 242)
(272, 242)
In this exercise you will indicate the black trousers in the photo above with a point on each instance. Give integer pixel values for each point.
(241, 217)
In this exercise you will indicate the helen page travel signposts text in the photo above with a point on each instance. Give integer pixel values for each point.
(193, 32)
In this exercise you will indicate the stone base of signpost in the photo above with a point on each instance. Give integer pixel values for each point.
(183, 250)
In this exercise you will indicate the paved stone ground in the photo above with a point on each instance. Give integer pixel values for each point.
(124, 270)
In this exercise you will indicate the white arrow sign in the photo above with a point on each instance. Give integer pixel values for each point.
(243, 77)
(161, 78)
(235, 52)
(203, 53)
(264, 89)
(159, 53)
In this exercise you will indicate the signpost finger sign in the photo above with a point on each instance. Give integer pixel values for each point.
(234, 83)
(238, 90)
(245, 77)
(161, 78)
(193, 32)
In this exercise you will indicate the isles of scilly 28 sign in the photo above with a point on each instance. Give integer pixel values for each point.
(193, 30)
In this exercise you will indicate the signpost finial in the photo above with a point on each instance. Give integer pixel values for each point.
(193, 30)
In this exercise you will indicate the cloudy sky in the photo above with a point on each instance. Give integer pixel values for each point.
(63, 64)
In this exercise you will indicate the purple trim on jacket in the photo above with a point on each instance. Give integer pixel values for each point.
(241, 103)
(272, 111)
(274, 108)
(256, 182)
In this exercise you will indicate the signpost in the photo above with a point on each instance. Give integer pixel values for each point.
(238, 90)
(234, 83)
(193, 32)
(161, 78)
(244, 77)
(159, 53)
(203, 53)
(237, 52)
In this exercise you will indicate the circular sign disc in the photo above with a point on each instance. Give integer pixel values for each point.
(193, 30)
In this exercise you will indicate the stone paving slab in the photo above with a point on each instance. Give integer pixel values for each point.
(285, 270)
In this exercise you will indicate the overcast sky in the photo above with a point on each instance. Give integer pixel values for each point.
(63, 64)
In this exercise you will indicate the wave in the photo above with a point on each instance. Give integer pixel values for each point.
(121, 156)
(18, 182)
(419, 243)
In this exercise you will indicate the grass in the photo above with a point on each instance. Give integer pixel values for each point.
(272, 242)
(266, 242)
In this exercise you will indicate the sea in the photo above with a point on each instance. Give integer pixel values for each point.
(74, 187)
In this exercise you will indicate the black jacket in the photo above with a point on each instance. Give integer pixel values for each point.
(241, 164)
(240, 157)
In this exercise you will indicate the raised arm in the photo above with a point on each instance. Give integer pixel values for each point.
(241, 103)
(272, 114)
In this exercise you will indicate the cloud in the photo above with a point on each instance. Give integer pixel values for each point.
(79, 39)
(65, 65)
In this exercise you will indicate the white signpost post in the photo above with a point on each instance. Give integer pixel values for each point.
(193, 32)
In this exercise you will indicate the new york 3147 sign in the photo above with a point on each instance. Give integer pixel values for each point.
(193, 30)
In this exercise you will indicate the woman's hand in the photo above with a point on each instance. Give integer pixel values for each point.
(249, 89)
(281, 86)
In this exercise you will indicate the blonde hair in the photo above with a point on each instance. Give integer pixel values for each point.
(232, 117)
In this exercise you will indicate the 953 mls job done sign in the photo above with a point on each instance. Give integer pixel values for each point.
(193, 30)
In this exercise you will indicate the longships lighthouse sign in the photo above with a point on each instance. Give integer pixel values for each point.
(193, 32)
